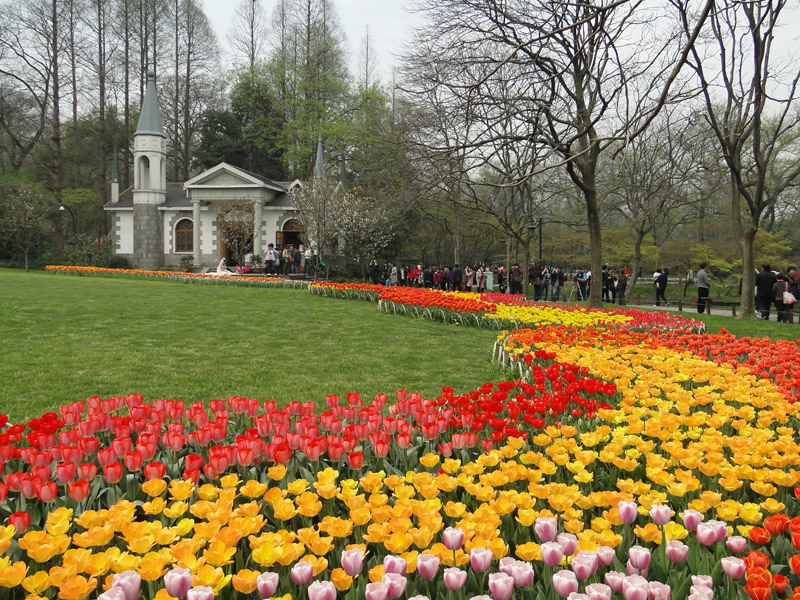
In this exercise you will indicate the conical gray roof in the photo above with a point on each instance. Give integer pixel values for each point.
(319, 165)
(150, 118)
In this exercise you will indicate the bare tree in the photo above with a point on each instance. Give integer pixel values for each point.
(249, 35)
(750, 105)
(367, 60)
(659, 179)
(577, 61)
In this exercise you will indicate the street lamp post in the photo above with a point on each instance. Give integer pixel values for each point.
(62, 207)
(533, 226)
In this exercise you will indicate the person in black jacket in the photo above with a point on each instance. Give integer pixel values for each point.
(764, 282)
(661, 287)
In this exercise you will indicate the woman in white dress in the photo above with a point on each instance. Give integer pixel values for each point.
(222, 269)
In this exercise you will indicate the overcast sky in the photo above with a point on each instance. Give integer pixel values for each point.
(389, 23)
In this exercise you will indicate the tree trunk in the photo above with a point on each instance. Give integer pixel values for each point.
(56, 120)
(747, 302)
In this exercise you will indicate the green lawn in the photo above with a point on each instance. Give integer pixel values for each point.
(67, 338)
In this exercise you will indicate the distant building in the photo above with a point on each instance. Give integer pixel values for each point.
(156, 222)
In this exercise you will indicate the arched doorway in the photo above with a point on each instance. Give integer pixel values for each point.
(292, 233)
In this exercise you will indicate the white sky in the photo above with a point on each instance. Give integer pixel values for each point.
(389, 23)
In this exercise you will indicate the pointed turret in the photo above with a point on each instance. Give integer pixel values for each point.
(149, 181)
(150, 122)
(319, 164)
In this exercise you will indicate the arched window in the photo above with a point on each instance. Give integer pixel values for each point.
(184, 236)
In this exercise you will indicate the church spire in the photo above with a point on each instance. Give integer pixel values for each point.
(150, 122)
(319, 164)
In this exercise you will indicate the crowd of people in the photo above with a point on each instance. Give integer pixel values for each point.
(548, 283)
(290, 260)
(776, 287)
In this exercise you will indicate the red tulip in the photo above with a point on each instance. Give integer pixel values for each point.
(193, 474)
(155, 470)
(133, 460)
(3, 492)
(759, 535)
(47, 491)
(113, 472)
(281, 453)
(65, 472)
(106, 456)
(777, 523)
(121, 445)
(355, 460)
(446, 449)
(193, 461)
(78, 490)
(403, 440)
(87, 471)
(20, 520)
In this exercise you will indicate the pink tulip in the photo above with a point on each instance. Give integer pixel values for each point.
(480, 559)
(201, 592)
(453, 538)
(569, 543)
(706, 533)
(659, 591)
(455, 578)
(266, 583)
(178, 581)
(427, 565)
(481, 597)
(676, 551)
(639, 557)
(521, 572)
(500, 584)
(736, 543)
(578, 596)
(376, 591)
(546, 528)
(302, 573)
(635, 587)
(130, 582)
(628, 511)
(552, 553)
(733, 567)
(661, 514)
(353, 561)
(564, 583)
(395, 583)
(702, 580)
(598, 591)
(691, 519)
(395, 564)
(584, 564)
(322, 590)
(615, 580)
(633, 570)
(720, 529)
(420, 597)
(606, 555)
(112, 594)
(701, 592)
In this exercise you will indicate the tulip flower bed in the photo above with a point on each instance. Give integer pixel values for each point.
(234, 279)
(499, 310)
(630, 459)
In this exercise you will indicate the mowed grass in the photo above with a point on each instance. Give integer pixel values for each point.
(68, 338)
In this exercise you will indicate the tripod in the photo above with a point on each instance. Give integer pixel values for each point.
(575, 290)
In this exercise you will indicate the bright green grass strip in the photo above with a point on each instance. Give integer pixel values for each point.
(67, 338)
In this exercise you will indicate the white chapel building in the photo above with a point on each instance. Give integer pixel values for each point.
(155, 222)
